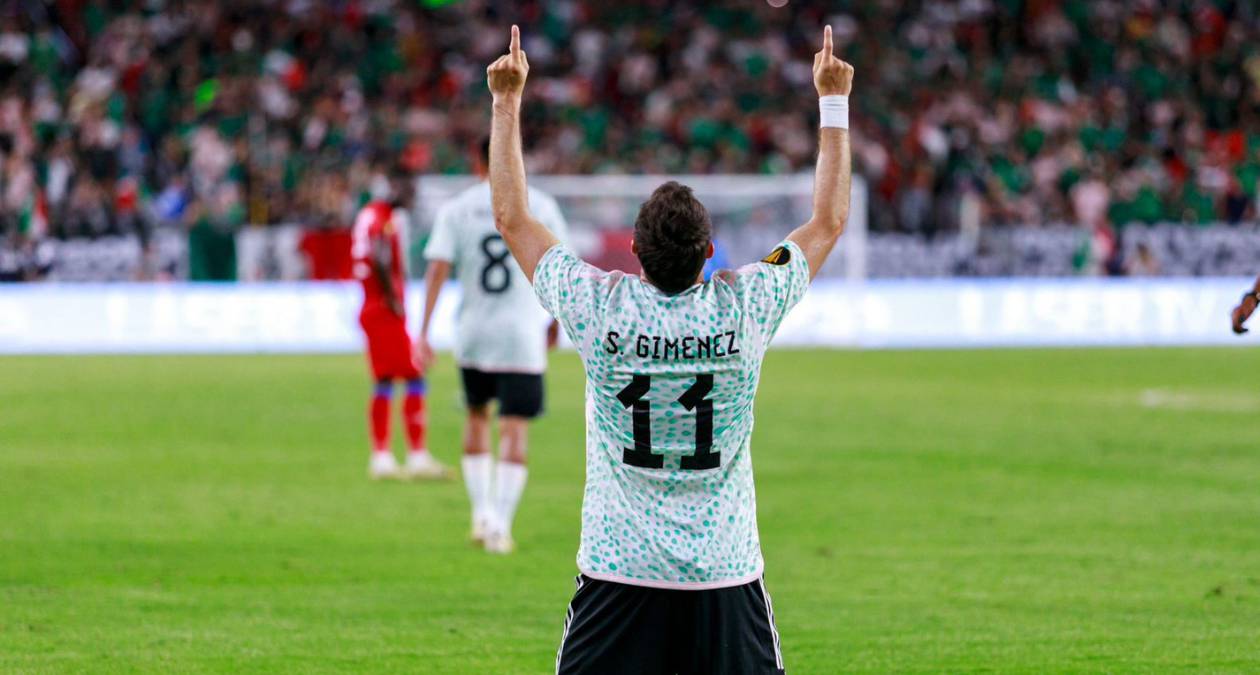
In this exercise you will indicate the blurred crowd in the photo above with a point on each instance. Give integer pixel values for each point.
(118, 117)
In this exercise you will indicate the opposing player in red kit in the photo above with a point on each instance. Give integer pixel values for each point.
(377, 248)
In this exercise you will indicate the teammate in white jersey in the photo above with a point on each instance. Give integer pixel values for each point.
(670, 559)
(502, 337)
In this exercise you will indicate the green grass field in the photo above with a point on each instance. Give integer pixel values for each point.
(1002, 511)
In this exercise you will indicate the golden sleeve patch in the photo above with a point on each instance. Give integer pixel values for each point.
(779, 256)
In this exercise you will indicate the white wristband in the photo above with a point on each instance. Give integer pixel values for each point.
(833, 111)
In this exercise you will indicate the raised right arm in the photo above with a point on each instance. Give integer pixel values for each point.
(832, 77)
(526, 238)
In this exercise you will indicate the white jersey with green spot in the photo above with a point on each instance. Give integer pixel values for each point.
(500, 327)
(670, 382)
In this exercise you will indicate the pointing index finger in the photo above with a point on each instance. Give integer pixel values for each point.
(827, 41)
(515, 46)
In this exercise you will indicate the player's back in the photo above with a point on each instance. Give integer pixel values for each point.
(378, 222)
(500, 324)
(671, 381)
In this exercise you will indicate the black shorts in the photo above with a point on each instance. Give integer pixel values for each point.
(619, 628)
(519, 394)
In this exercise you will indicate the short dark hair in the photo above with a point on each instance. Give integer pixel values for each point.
(401, 187)
(672, 234)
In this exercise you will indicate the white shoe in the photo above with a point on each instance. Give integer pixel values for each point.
(500, 543)
(422, 465)
(480, 530)
(383, 466)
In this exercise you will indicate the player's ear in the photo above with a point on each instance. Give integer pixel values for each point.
(634, 247)
(708, 255)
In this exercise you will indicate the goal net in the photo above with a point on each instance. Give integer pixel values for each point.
(750, 214)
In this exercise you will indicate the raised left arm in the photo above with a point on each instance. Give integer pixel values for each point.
(526, 237)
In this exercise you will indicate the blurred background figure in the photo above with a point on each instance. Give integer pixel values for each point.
(160, 131)
(502, 339)
(1144, 262)
(378, 245)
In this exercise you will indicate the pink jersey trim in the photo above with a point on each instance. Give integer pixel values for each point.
(679, 585)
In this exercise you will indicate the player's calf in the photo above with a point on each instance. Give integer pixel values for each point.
(478, 467)
(382, 464)
(420, 463)
(509, 482)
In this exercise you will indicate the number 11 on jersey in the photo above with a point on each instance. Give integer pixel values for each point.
(641, 455)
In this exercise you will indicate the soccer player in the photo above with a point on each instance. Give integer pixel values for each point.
(1245, 308)
(670, 560)
(501, 347)
(378, 263)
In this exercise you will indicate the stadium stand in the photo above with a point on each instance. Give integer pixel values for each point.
(977, 116)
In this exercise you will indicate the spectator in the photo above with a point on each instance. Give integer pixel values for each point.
(1144, 263)
(974, 113)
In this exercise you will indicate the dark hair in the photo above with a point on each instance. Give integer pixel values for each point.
(484, 147)
(401, 187)
(672, 235)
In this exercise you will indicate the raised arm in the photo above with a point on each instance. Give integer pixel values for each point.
(1245, 308)
(834, 79)
(526, 238)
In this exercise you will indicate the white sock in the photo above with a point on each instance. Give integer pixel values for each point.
(509, 483)
(477, 480)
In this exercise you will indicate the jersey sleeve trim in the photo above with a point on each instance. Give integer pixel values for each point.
(549, 254)
(547, 279)
(441, 244)
(680, 585)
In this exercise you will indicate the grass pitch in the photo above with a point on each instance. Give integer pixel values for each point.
(1008, 511)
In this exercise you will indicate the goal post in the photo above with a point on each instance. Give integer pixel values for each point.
(751, 213)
